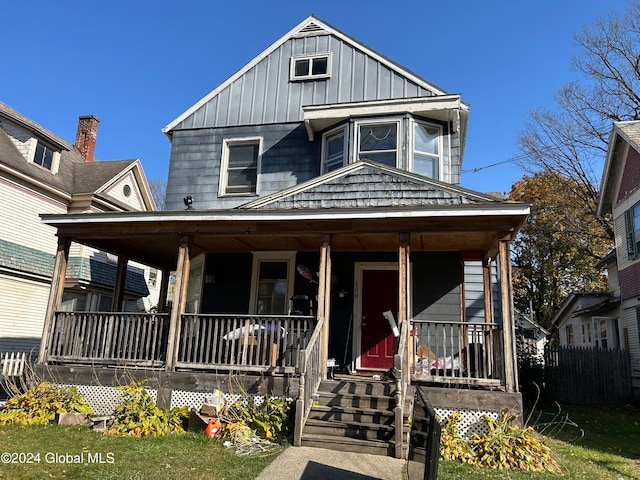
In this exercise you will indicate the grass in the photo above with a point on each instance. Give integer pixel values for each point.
(188, 456)
(609, 449)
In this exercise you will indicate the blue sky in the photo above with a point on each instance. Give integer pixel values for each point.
(138, 64)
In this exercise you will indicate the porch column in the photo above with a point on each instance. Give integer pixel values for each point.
(117, 300)
(55, 294)
(179, 300)
(164, 290)
(508, 331)
(488, 291)
(404, 251)
(324, 298)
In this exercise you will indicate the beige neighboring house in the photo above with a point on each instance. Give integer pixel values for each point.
(41, 173)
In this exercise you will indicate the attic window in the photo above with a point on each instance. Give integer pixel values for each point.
(310, 67)
(44, 156)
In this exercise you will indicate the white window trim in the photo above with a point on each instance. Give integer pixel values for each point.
(412, 127)
(285, 256)
(399, 141)
(345, 138)
(224, 165)
(55, 160)
(310, 57)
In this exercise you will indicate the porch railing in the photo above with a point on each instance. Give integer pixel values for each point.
(310, 369)
(247, 342)
(458, 352)
(104, 338)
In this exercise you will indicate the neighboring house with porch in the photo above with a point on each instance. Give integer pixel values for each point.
(43, 173)
(314, 217)
(620, 197)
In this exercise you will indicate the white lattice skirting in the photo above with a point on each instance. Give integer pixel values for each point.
(470, 420)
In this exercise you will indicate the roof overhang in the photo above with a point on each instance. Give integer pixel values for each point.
(445, 108)
(152, 237)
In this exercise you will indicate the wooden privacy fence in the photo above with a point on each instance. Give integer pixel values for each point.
(587, 376)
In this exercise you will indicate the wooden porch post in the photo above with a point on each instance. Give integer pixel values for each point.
(117, 300)
(164, 290)
(508, 331)
(404, 251)
(324, 298)
(179, 300)
(55, 294)
(488, 293)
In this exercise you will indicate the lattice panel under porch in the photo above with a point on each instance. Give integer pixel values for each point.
(103, 400)
(470, 420)
(180, 398)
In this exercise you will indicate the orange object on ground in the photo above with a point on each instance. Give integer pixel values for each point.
(213, 428)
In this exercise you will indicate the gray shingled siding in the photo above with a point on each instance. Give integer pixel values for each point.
(264, 94)
(369, 188)
(288, 159)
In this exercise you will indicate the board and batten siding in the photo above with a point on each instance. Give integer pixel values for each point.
(21, 208)
(265, 95)
(23, 305)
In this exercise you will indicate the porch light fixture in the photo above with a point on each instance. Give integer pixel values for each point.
(188, 201)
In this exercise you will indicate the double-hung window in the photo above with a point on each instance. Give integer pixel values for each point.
(240, 163)
(379, 142)
(334, 149)
(426, 149)
(272, 282)
(632, 226)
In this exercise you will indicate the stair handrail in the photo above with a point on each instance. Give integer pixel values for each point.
(309, 365)
(401, 374)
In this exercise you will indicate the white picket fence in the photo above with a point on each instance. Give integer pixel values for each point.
(12, 364)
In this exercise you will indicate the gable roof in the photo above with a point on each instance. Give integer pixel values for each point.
(368, 184)
(584, 302)
(311, 26)
(75, 175)
(623, 134)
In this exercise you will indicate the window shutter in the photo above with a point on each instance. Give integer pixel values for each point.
(628, 225)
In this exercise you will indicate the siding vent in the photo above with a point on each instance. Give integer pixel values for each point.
(311, 29)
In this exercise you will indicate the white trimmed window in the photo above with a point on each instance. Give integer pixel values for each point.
(310, 67)
(46, 157)
(379, 142)
(240, 164)
(426, 140)
(272, 282)
(334, 149)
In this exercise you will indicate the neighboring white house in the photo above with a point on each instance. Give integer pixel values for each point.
(42, 173)
(531, 338)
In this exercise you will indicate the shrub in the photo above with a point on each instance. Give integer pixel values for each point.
(138, 416)
(40, 404)
(503, 446)
(270, 419)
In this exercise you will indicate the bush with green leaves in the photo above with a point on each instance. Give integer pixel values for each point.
(137, 415)
(503, 446)
(40, 404)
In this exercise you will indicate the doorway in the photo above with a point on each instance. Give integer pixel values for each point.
(377, 287)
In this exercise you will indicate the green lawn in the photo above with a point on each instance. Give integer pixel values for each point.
(609, 449)
(189, 456)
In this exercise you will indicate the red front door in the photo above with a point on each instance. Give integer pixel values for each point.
(379, 294)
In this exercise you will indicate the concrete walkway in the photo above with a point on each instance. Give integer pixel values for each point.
(307, 463)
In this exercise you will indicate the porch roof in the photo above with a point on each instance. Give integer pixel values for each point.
(152, 237)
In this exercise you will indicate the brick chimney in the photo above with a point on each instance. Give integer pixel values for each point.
(86, 135)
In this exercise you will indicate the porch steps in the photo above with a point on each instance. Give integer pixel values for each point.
(354, 415)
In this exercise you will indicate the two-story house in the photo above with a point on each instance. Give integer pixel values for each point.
(316, 224)
(620, 197)
(43, 173)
